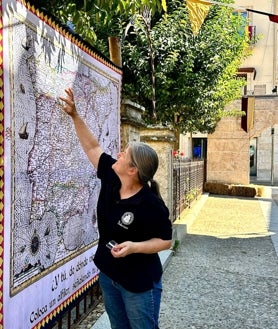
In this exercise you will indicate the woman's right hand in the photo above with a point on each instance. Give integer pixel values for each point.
(88, 141)
(69, 106)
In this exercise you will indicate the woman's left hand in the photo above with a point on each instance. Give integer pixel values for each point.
(151, 246)
(123, 249)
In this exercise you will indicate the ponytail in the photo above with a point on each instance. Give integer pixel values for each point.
(154, 186)
(145, 159)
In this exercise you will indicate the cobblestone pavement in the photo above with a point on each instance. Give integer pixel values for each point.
(221, 284)
(225, 272)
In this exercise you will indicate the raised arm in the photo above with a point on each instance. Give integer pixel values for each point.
(88, 141)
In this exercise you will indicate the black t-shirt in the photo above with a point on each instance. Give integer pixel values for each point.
(139, 218)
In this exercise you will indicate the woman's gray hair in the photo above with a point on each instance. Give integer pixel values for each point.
(145, 159)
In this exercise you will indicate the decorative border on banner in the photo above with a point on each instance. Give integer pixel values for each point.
(70, 35)
(51, 317)
(84, 46)
(1, 167)
(20, 17)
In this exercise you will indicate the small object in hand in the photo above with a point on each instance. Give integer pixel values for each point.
(111, 244)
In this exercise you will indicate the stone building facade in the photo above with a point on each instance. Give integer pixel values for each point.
(264, 139)
(234, 155)
(229, 156)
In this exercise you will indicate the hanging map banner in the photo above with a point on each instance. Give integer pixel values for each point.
(48, 188)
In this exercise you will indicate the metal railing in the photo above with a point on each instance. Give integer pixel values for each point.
(188, 181)
(77, 310)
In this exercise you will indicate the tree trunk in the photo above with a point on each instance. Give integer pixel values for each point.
(115, 50)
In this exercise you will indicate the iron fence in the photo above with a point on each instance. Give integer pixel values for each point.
(188, 181)
(77, 310)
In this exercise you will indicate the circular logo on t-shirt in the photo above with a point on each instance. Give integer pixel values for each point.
(126, 219)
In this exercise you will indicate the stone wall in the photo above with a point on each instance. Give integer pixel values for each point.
(267, 155)
(161, 139)
(266, 114)
(265, 131)
(228, 153)
(228, 158)
(131, 122)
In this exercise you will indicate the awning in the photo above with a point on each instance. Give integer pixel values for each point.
(245, 70)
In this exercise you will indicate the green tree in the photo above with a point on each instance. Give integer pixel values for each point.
(180, 79)
(195, 76)
(97, 20)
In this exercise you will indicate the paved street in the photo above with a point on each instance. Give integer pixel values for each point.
(221, 284)
(225, 273)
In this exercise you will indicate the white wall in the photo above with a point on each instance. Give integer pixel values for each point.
(264, 57)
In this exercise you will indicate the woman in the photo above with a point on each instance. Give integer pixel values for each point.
(134, 226)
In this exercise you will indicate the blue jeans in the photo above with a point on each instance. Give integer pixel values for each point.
(129, 310)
